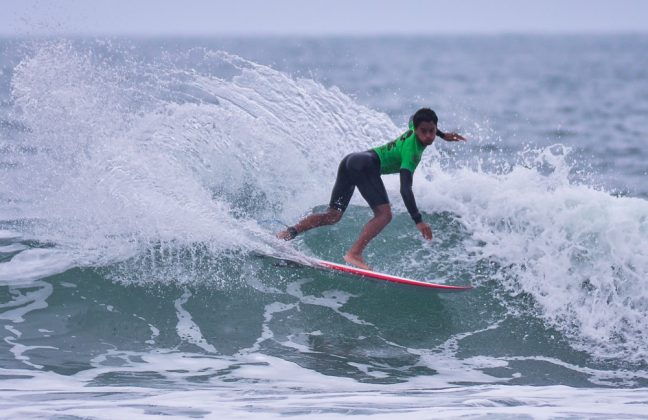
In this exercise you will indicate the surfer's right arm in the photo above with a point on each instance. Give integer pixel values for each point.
(406, 179)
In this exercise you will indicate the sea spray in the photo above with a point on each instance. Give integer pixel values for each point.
(120, 164)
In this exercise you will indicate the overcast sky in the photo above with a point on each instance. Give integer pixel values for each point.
(319, 17)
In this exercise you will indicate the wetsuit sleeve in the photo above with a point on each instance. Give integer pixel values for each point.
(440, 133)
(406, 177)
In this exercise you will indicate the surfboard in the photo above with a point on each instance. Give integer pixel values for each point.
(328, 265)
(303, 260)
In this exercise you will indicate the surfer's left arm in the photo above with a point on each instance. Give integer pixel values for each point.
(406, 179)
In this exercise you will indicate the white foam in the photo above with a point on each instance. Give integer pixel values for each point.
(33, 264)
(187, 329)
(9, 235)
(266, 331)
(19, 350)
(13, 331)
(25, 301)
(12, 248)
(580, 252)
(295, 392)
(333, 299)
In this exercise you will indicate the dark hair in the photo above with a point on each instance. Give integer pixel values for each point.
(424, 114)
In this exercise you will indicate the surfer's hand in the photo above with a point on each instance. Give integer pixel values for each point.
(425, 230)
(453, 137)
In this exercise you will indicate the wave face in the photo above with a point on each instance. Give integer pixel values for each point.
(141, 182)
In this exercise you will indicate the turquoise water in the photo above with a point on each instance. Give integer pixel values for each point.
(142, 178)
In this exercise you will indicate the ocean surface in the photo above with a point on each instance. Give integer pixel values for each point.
(140, 180)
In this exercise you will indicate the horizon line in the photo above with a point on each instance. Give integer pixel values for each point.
(23, 35)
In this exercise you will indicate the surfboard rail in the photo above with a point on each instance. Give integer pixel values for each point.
(328, 265)
(307, 261)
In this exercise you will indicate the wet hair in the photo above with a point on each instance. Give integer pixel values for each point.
(424, 115)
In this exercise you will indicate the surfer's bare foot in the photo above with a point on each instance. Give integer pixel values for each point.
(287, 234)
(356, 260)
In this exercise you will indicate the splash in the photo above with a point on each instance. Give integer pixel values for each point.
(577, 250)
(125, 155)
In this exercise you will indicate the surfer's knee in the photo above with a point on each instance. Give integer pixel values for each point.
(383, 212)
(333, 216)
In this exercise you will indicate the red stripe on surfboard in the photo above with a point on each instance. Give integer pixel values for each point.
(386, 277)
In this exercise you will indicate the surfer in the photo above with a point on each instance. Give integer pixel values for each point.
(363, 170)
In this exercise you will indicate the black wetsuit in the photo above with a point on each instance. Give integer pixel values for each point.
(362, 170)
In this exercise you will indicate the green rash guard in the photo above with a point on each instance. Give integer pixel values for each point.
(403, 153)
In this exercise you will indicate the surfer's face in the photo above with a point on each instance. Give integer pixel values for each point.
(426, 132)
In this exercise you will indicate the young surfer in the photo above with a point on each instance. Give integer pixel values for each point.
(363, 170)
